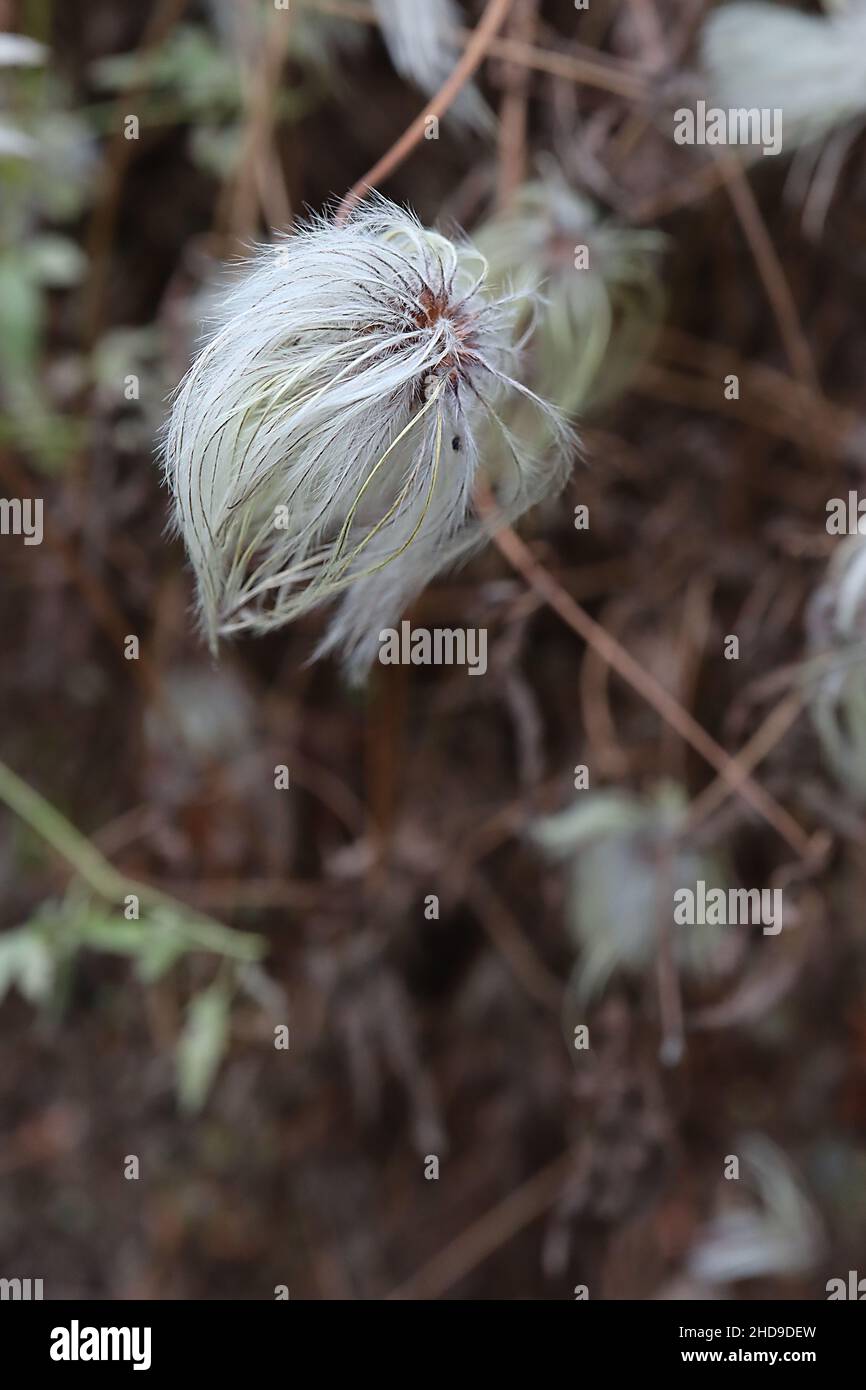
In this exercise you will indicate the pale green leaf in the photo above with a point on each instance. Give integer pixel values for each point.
(202, 1045)
(26, 962)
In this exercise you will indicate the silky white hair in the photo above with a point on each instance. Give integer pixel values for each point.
(811, 67)
(329, 438)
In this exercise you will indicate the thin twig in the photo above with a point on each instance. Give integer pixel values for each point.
(520, 557)
(486, 1235)
(513, 151)
(258, 178)
(700, 184)
(755, 408)
(475, 52)
(108, 882)
(597, 70)
(655, 55)
(515, 948)
(770, 270)
(779, 389)
(587, 67)
(762, 741)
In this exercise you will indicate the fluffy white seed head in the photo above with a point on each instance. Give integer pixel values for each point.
(328, 440)
(811, 67)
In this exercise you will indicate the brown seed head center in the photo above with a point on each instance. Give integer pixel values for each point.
(432, 309)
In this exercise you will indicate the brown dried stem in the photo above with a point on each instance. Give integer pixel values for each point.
(520, 557)
(476, 51)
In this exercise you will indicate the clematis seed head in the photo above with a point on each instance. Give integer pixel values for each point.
(309, 449)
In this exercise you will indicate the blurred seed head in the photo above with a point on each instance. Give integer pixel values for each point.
(835, 676)
(811, 67)
(328, 440)
(420, 38)
(616, 847)
(777, 1232)
(594, 324)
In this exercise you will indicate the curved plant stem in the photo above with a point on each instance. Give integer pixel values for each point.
(579, 64)
(106, 881)
(762, 741)
(499, 1224)
(513, 151)
(520, 557)
(474, 54)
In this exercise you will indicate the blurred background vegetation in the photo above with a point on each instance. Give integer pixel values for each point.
(438, 900)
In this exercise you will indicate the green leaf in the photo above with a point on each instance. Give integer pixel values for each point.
(20, 315)
(202, 1045)
(190, 66)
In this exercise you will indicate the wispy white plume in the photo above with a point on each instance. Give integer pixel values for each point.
(835, 676)
(811, 67)
(328, 440)
(600, 300)
(420, 37)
